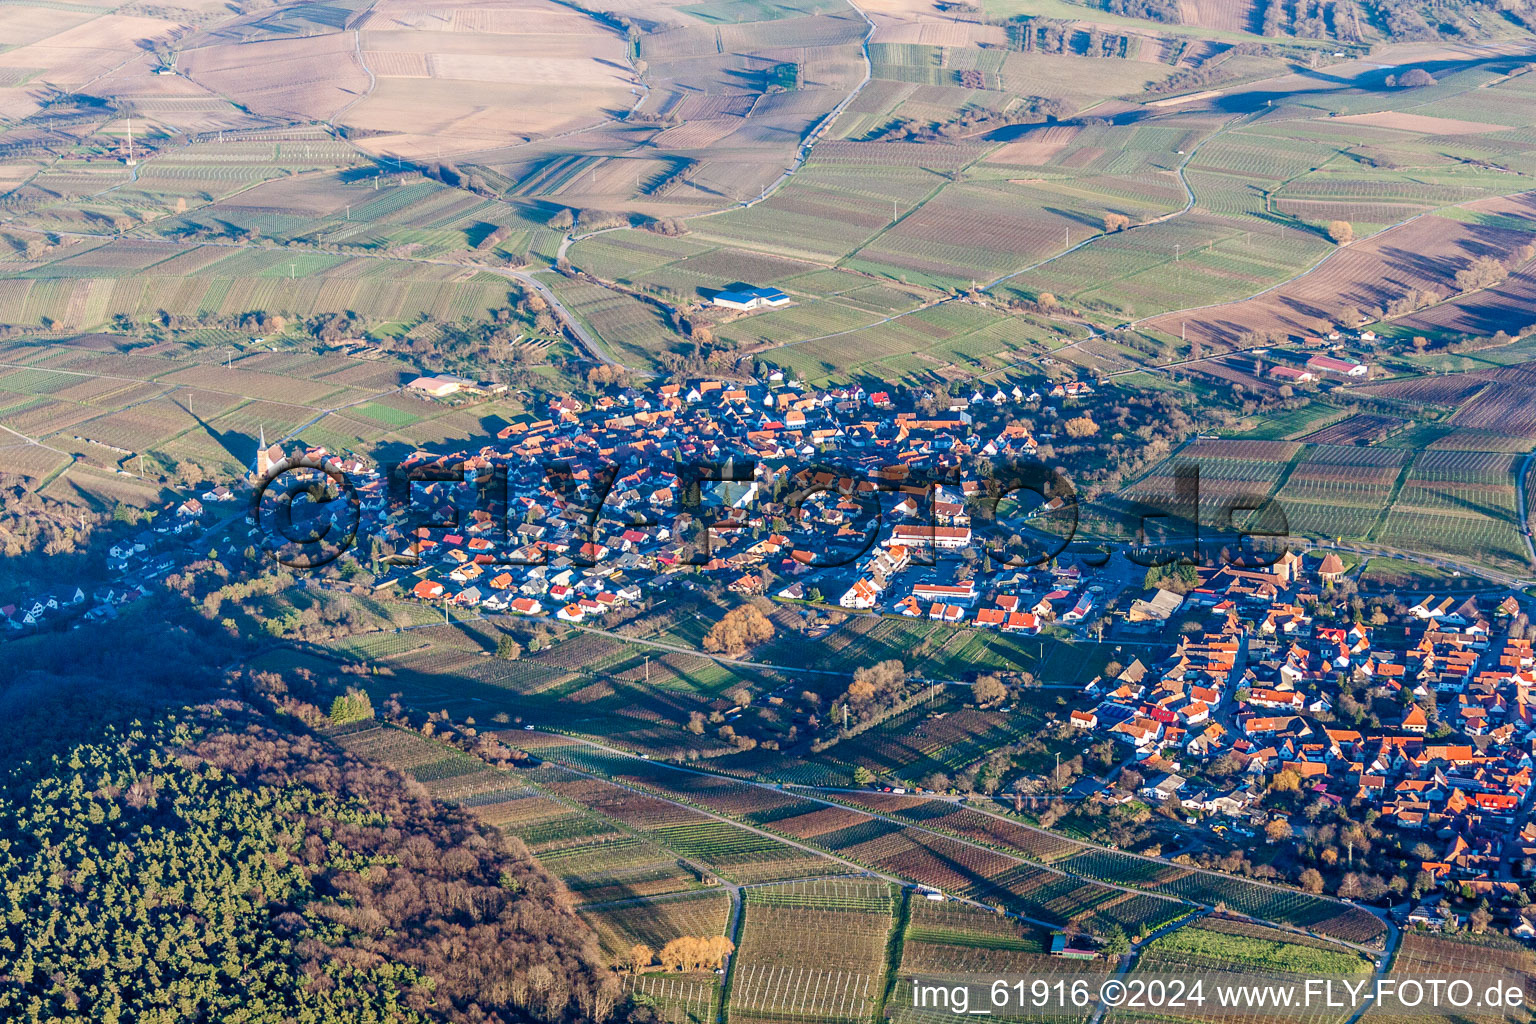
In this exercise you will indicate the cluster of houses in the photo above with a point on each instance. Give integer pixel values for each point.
(588, 505)
(624, 516)
(1263, 681)
(559, 547)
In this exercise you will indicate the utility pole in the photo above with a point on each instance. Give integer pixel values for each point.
(291, 268)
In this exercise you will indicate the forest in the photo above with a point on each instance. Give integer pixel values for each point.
(215, 862)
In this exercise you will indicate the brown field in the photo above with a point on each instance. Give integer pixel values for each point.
(68, 48)
(1440, 390)
(1421, 123)
(1036, 147)
(938, 33)
(1348, 209)
(21, 26)
(1423, 956)
(1505, 408)
(30, 460)
(1224, 15)
(828, 819)
(454, 77)
(1423, 254)
(1507, 307)
(395, 64)
(1359, 429)
(698, 134)
(313, 77)
(1494, 404)
(657, 922)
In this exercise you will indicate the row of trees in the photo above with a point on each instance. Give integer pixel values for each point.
(685, 953)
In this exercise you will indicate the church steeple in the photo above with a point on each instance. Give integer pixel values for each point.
(263, 459)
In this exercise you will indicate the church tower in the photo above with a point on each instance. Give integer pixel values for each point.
(263, 456)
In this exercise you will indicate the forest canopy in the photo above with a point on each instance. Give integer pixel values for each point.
(211, 865)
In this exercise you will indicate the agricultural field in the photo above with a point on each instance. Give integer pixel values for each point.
(812, 951)
(1222, 945)
(940, 735)
(656, 922)
(1368, 275)
(1461, 503)
(970, 865)
(1216, 945)
(1428, 955)
(678, 999)
(1037, 846)
(952, 944)
(127, 424)
(1447, 500)
(228, 222)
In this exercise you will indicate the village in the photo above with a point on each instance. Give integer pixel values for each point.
(1419, 708)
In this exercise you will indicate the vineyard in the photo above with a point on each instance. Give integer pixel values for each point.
(1159, 877)
(949, 943)
(1195, 948)
(656, 922)
(816, 951)
(1435, 956)
(678, 999)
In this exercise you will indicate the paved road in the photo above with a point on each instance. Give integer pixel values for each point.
(1383, 965)
(588, 341)
(1522, 504)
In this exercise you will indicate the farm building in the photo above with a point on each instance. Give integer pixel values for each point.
(751, 298)
(440, 386)
(1292, 373)
(1060, 947)
(1343, 367)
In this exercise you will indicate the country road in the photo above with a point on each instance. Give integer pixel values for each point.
(588, 341)
(1522, 505)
